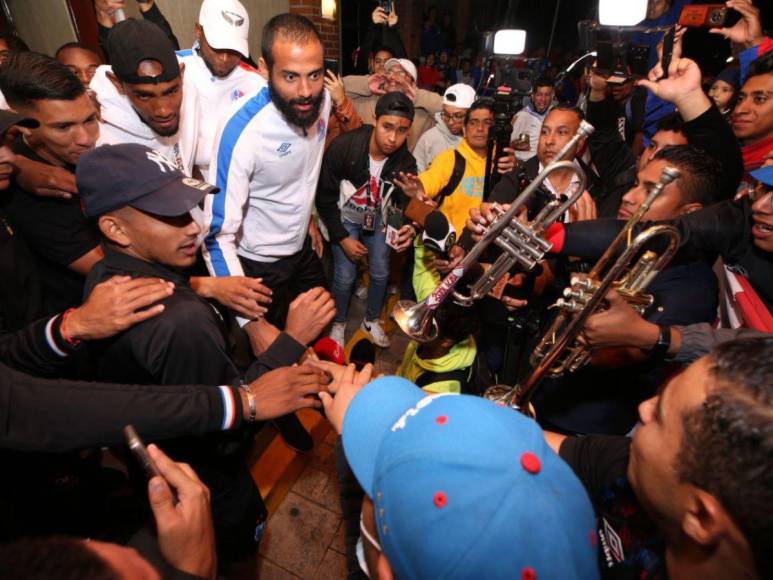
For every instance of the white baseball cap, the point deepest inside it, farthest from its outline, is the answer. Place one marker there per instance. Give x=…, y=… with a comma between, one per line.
x=226, y=25
x=460, y=95
x=407, y=65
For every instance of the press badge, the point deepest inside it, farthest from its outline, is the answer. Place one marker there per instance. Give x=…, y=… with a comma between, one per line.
x=369, y=220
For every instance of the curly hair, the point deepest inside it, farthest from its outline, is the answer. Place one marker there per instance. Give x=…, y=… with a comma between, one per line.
x=728, y=442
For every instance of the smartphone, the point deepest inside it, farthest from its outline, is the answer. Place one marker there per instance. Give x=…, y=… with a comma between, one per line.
x=332, y=64
x=668, y=50
x=137, y=447
x=703, y=15
x=393, y=225
x=386, y=6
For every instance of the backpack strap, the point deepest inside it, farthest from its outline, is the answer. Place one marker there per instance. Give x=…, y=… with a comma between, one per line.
x=429, y=377
x=456, y=177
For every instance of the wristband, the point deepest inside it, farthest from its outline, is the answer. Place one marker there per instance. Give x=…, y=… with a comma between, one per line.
x=251, y=403
x=63, y=331
x=660, y=350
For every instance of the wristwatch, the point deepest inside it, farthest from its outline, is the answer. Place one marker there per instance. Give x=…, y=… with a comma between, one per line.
x=660, y=349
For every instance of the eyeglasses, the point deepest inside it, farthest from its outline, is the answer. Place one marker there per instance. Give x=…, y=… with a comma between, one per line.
x=755, y=190
x=446, y=116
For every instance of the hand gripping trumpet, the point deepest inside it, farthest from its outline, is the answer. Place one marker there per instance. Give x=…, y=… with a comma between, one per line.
x=559, y=351
x=521, y=244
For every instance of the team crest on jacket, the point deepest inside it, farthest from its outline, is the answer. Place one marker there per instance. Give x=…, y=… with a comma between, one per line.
x=236, y=94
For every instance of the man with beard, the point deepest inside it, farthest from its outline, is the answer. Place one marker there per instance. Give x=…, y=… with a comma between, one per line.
x=215, y=66
x=266, y=162
x=142, y=95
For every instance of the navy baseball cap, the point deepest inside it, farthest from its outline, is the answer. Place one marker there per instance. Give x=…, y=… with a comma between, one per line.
x=464, y=488
x=115, y=176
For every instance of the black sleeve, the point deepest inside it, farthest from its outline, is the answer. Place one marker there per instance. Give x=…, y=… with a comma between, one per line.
x=283, y=352
x=38, y=348
x=597, y=460
x=613, y=159
x=712, y=134
x=720, y=229
x=507, y=189
x=328, y=187
x=153, y=15
x=54, y=228
x=57, y=415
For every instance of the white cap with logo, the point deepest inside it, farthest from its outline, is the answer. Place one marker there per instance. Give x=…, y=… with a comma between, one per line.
x=226, y=25
x=407, y=65
x=460, y=95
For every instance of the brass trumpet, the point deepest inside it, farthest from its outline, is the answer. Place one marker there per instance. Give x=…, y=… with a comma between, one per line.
x=521, y=244
x=559, y=351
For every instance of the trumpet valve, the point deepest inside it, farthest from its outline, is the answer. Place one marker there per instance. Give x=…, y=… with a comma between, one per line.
x=577, y=295
x=581, y=283
x=569, y=305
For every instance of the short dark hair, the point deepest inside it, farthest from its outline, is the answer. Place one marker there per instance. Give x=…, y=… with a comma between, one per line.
x=727, y=449
x=456, y=322
x=13, y=42
x=292, y=27
x=382, y=48
x=31, y=76
x=541, y=82
x=566, y=106
x=701, y=177
x=671, y=122
x=53, y=557
x=761, y=66
x=485, y=103
x=78, y=45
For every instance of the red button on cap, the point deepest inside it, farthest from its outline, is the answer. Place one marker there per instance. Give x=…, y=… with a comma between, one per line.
x=441, y=419
x=530, y=463
x=528, y=574
x=440, y=500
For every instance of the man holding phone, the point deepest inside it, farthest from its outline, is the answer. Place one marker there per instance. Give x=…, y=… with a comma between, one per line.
x=355, y=194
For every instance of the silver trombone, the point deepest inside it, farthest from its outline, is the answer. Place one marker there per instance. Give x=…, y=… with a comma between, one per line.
x=521, y=244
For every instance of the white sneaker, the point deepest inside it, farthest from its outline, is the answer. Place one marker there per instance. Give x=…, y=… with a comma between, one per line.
x=376, y=331
x=362, y=292
x=338, y=333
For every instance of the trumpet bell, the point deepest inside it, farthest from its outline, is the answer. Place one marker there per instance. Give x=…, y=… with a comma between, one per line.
x=415, y=320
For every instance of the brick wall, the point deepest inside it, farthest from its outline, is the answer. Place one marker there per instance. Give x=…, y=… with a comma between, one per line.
x=312, y=9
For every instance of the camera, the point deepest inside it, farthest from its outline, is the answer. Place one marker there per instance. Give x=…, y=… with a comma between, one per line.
x=616, y=58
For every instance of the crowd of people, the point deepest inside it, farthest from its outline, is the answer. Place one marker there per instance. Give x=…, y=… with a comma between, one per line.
x=184, y=232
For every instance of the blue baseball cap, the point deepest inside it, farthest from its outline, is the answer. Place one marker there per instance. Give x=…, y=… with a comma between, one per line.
x=464, y=488
x=114, y=176
x=763, y=174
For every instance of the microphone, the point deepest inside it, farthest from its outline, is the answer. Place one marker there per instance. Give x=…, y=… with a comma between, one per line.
x=439, y=235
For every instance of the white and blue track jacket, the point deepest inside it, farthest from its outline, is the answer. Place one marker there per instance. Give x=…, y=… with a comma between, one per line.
x=216, y=96
x=267, y=172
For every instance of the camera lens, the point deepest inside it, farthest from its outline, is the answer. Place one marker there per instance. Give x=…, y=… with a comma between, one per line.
x=716, y=17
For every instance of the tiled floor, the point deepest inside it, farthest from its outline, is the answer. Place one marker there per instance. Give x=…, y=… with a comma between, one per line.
x=305, y=536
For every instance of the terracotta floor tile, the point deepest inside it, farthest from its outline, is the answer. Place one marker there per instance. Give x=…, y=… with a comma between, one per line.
x=320, y=487
x=333, y=567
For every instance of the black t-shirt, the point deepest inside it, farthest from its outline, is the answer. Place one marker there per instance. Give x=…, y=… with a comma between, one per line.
x=630, y=544
x=58, y=234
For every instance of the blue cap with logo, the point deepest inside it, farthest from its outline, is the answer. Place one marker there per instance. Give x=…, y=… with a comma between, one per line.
x=464, y=488
x=114, y=176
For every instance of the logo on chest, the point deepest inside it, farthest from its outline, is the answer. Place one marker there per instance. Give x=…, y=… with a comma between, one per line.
x=284, y=149
x=321, y=129
x=236, y=94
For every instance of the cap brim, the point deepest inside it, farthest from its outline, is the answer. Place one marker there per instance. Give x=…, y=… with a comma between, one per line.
x=175, y=198
x=370, y=416
x=9, y=119
x=226, y=40
x=763, y=174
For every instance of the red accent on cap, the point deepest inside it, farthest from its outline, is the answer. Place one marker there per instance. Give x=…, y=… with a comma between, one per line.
x=328, y=349
x=556, y=235
x=528, y=574
x=441, y=419
x=531, y=463
x=440, y=500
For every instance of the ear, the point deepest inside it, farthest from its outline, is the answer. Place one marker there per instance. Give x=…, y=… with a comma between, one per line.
x=690, y=207
x=705, y=520
x=383, y=570
x=113, y=229
x=116, y=83
x=198, y=31
x=182, y=71
x=263, y=68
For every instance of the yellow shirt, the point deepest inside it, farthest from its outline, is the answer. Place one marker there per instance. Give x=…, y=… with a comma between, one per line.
x=468, y=194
